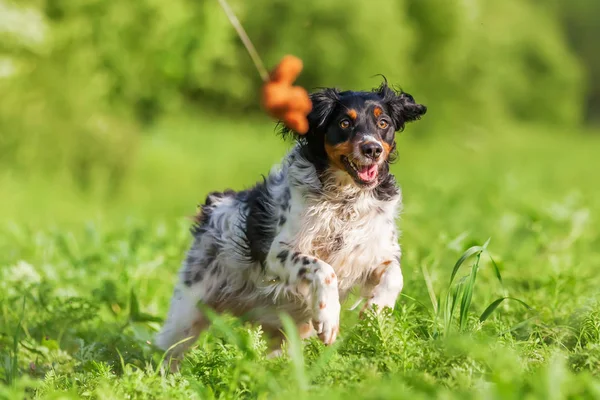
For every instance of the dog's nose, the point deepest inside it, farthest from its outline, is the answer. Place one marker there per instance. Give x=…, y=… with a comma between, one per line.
x=371, y=150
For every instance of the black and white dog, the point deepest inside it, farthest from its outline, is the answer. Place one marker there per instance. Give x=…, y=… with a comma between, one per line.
x=321, y=223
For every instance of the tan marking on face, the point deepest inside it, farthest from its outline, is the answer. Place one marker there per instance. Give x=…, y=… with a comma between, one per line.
x=328, y=281
x=322, y=305
x=387, y=148
x=377, y=111
x=334, y=153
x=352, y=114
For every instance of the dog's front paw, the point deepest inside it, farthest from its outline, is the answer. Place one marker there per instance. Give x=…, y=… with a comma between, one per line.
x=327, y=321
x=379, y=303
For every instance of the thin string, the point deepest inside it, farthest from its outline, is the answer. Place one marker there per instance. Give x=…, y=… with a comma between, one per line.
x=262, y=71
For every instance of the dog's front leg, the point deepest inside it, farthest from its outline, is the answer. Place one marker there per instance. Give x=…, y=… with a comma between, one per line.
x=297, y=269
x=384, y=285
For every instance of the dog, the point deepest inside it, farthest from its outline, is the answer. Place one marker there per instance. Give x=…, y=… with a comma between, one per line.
x=320, y=224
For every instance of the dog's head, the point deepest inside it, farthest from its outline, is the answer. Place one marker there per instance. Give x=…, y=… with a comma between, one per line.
x=355, y=131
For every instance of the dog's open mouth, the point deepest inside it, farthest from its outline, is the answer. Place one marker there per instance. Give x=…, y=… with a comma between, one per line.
x=362, y=174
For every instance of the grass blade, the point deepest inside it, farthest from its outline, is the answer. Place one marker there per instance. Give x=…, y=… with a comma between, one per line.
x=467, y=254
x=454, y=295
x=165, y=354
x=295, y=350
x=416, y=302
x=430, y=289
x=13, y=374
x=465, y=304
x=221, y=325
x=496, y=269
x=486, y=244
x=319, y=365
x=517, y=326
x=134, y=306
x=135, y=315
x=492, y=307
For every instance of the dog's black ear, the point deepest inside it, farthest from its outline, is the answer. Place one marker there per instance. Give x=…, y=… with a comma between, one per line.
x=401, y=106
x=323, y=104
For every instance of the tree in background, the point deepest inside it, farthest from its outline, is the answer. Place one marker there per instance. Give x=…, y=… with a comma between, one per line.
x=92, y=70
x=582, y=24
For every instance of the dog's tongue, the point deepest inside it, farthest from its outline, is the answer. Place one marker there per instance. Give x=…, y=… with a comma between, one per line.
x=368, y=173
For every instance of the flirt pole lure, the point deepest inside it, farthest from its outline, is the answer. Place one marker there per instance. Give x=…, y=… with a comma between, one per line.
x=287, y=103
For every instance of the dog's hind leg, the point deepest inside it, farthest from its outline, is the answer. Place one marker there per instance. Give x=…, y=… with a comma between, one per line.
x=185, y=321
x=182, y=327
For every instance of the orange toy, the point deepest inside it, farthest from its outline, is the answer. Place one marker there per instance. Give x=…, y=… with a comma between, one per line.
x=290, y=104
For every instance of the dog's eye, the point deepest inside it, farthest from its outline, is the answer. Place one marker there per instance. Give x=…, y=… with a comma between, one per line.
x=383, y=124
x=344, y=124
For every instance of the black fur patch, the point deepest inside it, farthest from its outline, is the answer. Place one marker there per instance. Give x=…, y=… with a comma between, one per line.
x=197, y=267
x=262, y=218
x=192, y=259
x=212, y=197
x=295, y=256
x=211, y=254
x=400, y=106
x=387, y=188
x=283, y=255
x=285, y=199
x=202, y=219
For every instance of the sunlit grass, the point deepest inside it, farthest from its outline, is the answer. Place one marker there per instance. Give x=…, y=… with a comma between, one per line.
x=85, y=279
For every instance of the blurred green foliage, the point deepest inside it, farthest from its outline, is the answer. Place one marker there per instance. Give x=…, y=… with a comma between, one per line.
x=581, y=19
x=78, y=77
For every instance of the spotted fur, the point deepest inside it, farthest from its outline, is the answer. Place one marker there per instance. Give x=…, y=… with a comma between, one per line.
x=301, y=239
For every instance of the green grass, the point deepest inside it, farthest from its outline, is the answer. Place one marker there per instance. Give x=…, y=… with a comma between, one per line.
x=83, y=277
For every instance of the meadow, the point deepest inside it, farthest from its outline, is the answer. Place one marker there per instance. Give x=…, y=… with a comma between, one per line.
x=85, y=277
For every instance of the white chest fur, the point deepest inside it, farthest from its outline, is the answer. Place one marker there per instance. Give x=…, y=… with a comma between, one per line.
x=353, y=234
